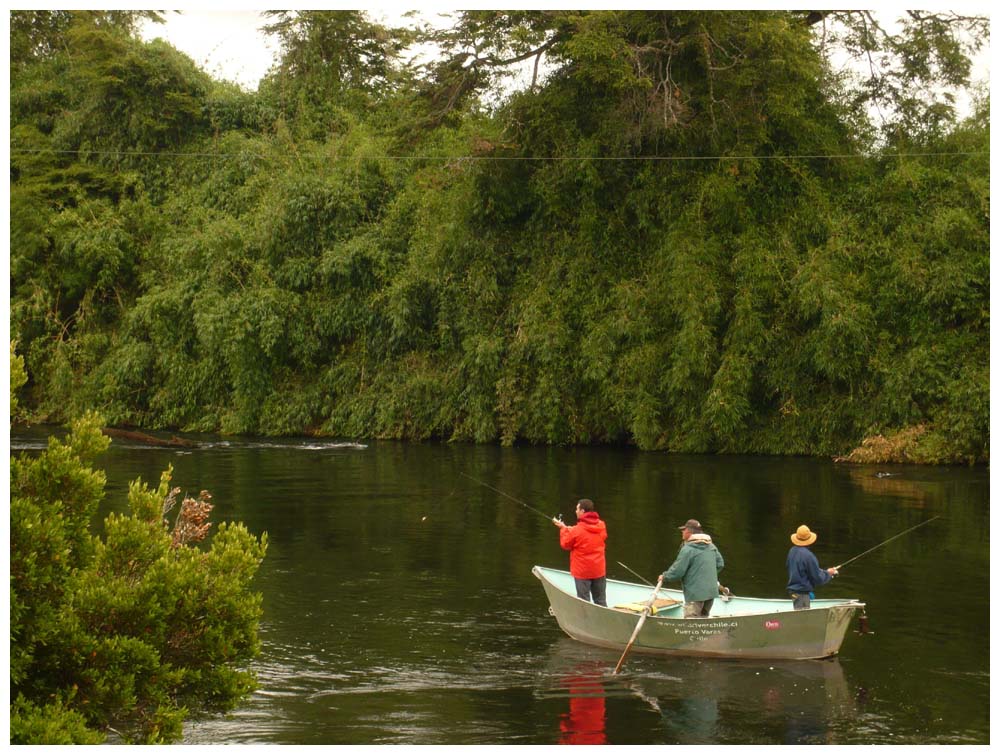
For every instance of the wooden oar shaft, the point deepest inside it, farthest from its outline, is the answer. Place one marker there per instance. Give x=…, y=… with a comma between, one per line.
x=642, y=620
x=638, y=626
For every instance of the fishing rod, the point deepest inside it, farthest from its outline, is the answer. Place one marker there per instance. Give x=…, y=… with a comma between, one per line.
x=495, y=490
x=724, y=592
x=838, y=568
x=635, y=573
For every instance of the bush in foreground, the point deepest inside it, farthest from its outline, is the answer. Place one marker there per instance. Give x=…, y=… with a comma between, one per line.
x=130, y=632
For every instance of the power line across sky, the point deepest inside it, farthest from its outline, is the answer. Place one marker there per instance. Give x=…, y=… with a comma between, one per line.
x=527, y=158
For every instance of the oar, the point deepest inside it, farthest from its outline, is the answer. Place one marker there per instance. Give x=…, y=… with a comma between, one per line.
x=884, y=542
x=642, y=620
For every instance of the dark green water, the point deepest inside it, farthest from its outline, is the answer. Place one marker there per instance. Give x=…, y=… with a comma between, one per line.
x=399, y=605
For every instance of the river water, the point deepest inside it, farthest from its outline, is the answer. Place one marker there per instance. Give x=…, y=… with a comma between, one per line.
x=400, y=608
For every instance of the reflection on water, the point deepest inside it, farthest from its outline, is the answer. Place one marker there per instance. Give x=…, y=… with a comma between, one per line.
x=703, y=701
x=400, y=608
x=584, y=722
x=897, y=484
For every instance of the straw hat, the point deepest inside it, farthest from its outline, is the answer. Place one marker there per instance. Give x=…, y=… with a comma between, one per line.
x=803, y=536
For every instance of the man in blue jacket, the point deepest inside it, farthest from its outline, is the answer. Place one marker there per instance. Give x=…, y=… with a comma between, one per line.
x=804, y=574
x=697, y=567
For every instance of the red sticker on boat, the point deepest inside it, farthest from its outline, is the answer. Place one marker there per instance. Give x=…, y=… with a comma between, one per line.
x=772, y=625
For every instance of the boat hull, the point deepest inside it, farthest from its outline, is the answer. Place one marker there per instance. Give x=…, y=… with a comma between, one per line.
x=741, y=628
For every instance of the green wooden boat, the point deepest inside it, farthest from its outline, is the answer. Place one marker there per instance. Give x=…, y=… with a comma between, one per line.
x=738, y=628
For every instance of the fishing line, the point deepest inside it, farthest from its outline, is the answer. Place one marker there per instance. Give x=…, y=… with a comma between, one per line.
x=495, y=490
x=884, y=542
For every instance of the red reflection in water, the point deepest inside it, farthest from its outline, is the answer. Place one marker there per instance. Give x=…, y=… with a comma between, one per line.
x=584, y=723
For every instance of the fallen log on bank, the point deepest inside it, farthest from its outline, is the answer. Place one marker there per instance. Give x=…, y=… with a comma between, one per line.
x=138, y=437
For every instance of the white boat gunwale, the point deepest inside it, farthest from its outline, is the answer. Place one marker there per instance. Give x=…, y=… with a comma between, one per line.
x=782, y=605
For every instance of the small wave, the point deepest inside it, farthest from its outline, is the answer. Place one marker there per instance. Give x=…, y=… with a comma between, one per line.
x=41, y=443
x=28, y=445
x=322, y=446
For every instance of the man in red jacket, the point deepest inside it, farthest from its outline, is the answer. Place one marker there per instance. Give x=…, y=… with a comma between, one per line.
x=585, y=543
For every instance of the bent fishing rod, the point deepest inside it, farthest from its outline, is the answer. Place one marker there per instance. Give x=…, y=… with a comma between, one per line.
x=505, y=495
x=838, y=568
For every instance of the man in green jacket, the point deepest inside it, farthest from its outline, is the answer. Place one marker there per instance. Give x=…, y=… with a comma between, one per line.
x=697, y=567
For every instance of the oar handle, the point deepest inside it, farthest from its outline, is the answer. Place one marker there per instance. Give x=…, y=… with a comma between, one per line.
x=656, y=590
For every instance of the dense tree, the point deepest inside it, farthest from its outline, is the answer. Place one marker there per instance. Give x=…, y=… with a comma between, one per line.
x=38, y=34
x=681, y=230
x=335, y=67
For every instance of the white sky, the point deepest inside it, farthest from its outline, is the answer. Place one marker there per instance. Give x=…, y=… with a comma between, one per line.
x=228, y=44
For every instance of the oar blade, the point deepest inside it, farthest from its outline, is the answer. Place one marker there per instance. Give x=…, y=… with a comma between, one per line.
x=635, y=633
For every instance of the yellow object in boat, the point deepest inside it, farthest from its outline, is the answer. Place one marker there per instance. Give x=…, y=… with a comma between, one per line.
x=660, y=604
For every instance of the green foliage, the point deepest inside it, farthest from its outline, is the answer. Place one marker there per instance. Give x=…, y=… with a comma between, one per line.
x=103, y=93
x=128, y=632
x=657, y=248
x=52, y=724
x=334, y=65
x=18, y=377
x=36, y=34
